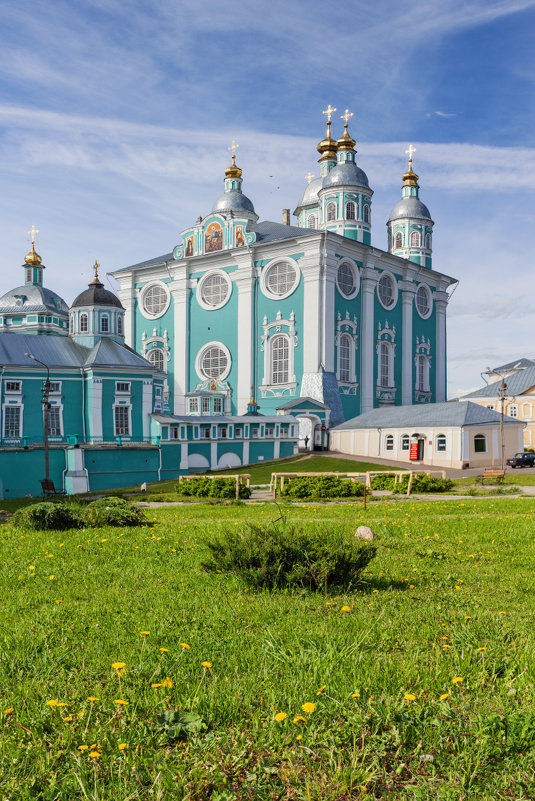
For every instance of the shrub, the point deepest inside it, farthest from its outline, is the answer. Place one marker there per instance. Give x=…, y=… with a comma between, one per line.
x=273, y=556
x=112, y=511
x=46, y=516
x=204, y=487
x=303, y=487
x=421, y=482
x=385, y=481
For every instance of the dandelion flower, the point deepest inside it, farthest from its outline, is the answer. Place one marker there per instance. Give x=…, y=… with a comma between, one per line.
x=308, y=707
x=8, y=711
x=68, y=719
x=145, y=632
x=121, y=702
x=483, y=648
x=80, y=714
x=167, y=682
x=409, y=697
x=95, y=754
x=280, y=716
x=321, y=689
x=444, y=696
x=355, y=695
x=50, y=578
x=457, y=680
x=93, y=698
x=61, y=703
x=501, y=613
x=53, y=702
x=467, y=617
x=299, y=737
x=118, y=665
x=206, y=664
x=155, y=685
x=83, y=747
x=164, y=650
x=299, y=719
x=185, y=645
x=121, y=746
x=346, y=609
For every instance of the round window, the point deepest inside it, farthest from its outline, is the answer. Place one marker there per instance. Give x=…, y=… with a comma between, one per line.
x=280, y=279
x=423, y=301
x=347, y=280
x=214, y=290
x=214, y=362
x=386, y=291
x=155, y=300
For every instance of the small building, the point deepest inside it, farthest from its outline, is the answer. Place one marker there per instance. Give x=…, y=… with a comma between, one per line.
x=519, y=394
x=454, y=434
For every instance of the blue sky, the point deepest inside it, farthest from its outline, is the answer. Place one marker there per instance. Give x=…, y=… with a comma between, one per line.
x=115, y=120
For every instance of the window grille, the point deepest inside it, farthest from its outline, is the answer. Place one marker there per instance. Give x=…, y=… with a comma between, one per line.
x=122, y=425
x=122, y=386
x=405, y=442
x=398, y=240
x=156, y=358
x=214, y=362
x=155, y=300
x=312, y=221
x=104, y=324
x=384, y=365
x=279, y=360
x=193, y=405
x=389, y=443
x=415, y=239
x=218, y=405
x=280, y=278
x=385, y=290
x=350, y=211
x=214, y=290
x=331, y=212
x=54, y=421
x=366, y=214
x=12, y=421
x=206, y=405
x=344, y=352
x=423, y=303
x=13, y=386
x=346, y=279
x=83, y=322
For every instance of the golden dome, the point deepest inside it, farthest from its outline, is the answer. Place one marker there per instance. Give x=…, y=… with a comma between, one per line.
x=96, y=280
x=327, y=146
x=233, y=171
x=410, y=178
x=346, y=142
x=32, y=258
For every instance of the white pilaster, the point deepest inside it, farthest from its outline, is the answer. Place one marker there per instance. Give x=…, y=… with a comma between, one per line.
x=276, y=449
x=213, y=455
x=245, y=283
x=312, y=318
x=408, y=291
x=146, y=407
x=179, y=292
x=329, y=325
x=369, y=280
x=245, y=454
x=95, y=408
x=127, y=296
x=441, y=301
x=183, y=455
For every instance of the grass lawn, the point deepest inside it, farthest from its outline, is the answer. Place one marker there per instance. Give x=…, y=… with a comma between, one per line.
x=422, y=679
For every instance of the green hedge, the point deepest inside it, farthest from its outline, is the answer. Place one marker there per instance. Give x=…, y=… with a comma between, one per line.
x=317, y=487
x=112, y=511
x=46, y=516
x=49, y=516
x=422, y=483
x=295, y=555
x=204, y=487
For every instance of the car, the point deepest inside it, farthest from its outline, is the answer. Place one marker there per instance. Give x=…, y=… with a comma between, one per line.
x=522, y=460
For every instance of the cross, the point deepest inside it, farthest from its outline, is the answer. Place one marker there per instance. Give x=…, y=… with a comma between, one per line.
x=96, y=265
x=309, y=177
x=410, y=152
x=234, y=148
x=347, y=116
x=33, y=232
x=329, y=111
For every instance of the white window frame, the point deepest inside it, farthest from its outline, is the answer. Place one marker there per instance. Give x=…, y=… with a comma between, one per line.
x=128, y=408
x=405, y=442
x=427, y=289
x=126, y=388
x=479, y=436
x=199, y=359
x=142, y=295
x=512, y=410
x=275, y=339
x=351, y=203
x=152, y=353
x=271, y=330
x=330, y=211
x=16, y=391
x=20, y=407
x=105, y=317
x=389, y=442
x=59, y=408
x=265, y=274
x=219, y=402
x=201, y=284
x=385, y=349
x=193, y=405
x=415, y=239
x=356, y=279
x=394, y=285
x=396, y=235
x=205, y=405
x=441, y=443
x=84, y=316
x=366, y=213
x=312, y=222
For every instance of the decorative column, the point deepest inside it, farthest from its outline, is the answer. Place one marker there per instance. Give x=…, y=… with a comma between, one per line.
x=441, y=301
x=127, y=296
x=368, y=282
x=179, y=292
x=247, y=336
x=408, y=291
x=329, y=325
x=312, y=320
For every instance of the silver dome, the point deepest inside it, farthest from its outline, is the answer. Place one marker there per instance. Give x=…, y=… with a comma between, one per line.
x=233, y=201
x=37, y=298
x=346, y=174
x=409, y=207
x=310, y=195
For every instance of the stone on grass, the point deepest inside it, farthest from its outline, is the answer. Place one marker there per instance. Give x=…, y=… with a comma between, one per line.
x=365, y=533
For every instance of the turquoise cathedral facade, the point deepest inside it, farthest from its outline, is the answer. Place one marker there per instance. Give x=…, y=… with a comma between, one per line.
x=311, y=313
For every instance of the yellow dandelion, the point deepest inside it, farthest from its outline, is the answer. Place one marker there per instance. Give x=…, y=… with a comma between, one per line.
x=95, y=754
x=280, y=716
x=321, y=689
x=93, y=698
x=121, y=746
x=145, y=632
x=409, y=697
x=52, y=702
x=62, y=703
x=83, y=747
x=457, y=680
x=299, y=737
x=355, y=695
x=121, y=702
x=467, y=617
x=155, y=685
x=167, y=682
x=50, y=578
x=483, y=648
x=80, y=714
x=308, y=707
x=8, y=711
x=206, y=664
x=118, y=665
x=185, y=645
x=68, y=719
x=444, y=696
x=346, y=609
x=164, y=650
x=501, y=613
x=299, y=719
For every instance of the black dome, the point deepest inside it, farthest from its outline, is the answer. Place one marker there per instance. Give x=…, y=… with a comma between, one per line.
x=97, y=295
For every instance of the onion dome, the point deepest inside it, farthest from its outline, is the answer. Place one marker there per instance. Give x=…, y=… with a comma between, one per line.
x=96, y=294
x=410, y=204
x=327, y=147
x=32, y=298
x=310, y=193
x=233, y=171
x=32, y=258
x=233, y=200
x=346, y=174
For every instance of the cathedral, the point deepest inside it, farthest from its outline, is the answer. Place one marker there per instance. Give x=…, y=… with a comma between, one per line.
x=310, y=316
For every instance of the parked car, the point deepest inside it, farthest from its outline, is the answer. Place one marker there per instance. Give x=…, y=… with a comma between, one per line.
x=522, y=460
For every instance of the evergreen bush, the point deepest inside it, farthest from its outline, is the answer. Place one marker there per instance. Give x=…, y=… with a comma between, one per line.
x=112, y=511
x=46, y=516
x=204, y=487
x=385, y=481
x=318, y=487
x=296, y=555
x=422, y=483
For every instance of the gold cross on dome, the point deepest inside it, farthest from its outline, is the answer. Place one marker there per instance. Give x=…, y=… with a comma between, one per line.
x=96, y=266
x=346, y=116
x=410, y=151
x=32, y=233
x=234, y=146
x=329, y=111
x=309, y=176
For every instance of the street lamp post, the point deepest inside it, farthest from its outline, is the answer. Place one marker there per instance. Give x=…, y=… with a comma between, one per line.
x=46, y=407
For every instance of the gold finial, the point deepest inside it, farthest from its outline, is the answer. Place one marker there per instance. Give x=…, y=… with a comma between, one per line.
x=309, y=176
x=252, y=402
x=233, y=171
x=32, y=258
x=346, y=142
x=327, y=146
x=96, y=279
x=410, y=178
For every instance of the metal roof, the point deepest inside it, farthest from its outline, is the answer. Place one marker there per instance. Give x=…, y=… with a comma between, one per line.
x=454, y=413
x=223, y=418
x=297, y=403
x=409, y=207
x=517, y=383
x=37, y=299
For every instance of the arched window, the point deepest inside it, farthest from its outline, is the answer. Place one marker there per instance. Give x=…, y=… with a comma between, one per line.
x=366, y=214
x=350, y=211
x=312, y=221
x=480, y=443
x=279, y=359
x=344, y=358
x=415, y=239
x=385, y=364
x=398, y=240
x=83, y=322
x=420, y=372
x=405, y=442
x=331, y=212
x=428, y=241
x=389, y=443
x=71, y=324
x=441, y=442
x=156, y=358
x=119, y=324
x=104, y=324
